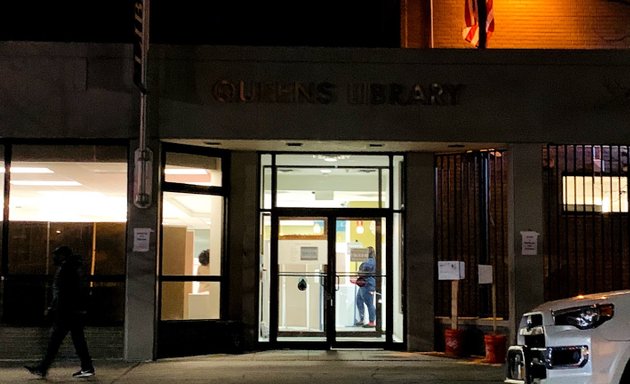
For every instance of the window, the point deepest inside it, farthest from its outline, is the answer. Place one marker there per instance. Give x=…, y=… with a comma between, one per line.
x=192, y=236
x=585, y=243
x=66, y=195
x=601, y=194
x=330, y=181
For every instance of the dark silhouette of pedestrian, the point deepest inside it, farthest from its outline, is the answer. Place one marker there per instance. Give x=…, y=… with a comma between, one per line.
x=67, y=311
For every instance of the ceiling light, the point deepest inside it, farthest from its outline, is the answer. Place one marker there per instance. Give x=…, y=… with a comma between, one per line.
x=47, y=183
x=331, y=158
x=185, y=171
x=75, y=206
x=30, y=170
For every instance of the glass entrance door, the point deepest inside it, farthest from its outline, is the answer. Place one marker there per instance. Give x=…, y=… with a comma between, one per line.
x=360, y=276
x=303, y=284
x=321, y=264
x=319, y=214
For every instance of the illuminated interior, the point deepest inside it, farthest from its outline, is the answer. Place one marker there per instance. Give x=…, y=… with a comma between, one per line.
x=595, y=193
x=93, y=192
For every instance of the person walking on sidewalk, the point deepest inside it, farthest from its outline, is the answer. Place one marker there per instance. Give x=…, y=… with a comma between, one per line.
x=67, y=311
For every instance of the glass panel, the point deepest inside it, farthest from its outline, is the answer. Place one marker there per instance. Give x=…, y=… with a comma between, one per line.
x=265, y=171
x=25, y=300
x=265, y=262
x=192, y=238
x=332, y=181
x=110, y=244
x=193, y=169
x=601, y=194
x=74, y=191
x=3, y=266
x=360, y=308
x=184, y=301
x=399, y=163
x=398, y=268
x=101, y=246
x=191, y=234
x=107, y=303
x=74, y=195
x=302, y=265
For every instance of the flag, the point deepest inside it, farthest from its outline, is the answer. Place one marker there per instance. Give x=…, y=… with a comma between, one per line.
x=471, y=19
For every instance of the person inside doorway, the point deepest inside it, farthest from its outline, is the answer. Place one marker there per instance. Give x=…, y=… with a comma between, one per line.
x=367, y=289
x=204, y=269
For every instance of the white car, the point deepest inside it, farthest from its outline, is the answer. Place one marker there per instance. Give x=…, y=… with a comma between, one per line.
x=579, y=340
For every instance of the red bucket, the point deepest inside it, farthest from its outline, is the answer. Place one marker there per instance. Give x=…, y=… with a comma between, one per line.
x=454, y=342
x=495, y=348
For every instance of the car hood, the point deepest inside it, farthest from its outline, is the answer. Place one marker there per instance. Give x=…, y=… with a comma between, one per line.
x=618, y=328
x=614, y=297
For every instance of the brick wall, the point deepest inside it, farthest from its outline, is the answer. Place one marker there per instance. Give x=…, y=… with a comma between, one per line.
x=30, y=343
x=538, y=24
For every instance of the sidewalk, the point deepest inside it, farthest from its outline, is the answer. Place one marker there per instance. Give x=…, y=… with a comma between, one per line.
x=276, y=367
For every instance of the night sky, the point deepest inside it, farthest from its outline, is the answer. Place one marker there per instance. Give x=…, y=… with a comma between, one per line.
x=327, y=23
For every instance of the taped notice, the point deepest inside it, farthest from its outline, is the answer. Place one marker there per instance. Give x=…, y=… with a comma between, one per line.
x=451, y=270
x=529, y=243
x=141, y=239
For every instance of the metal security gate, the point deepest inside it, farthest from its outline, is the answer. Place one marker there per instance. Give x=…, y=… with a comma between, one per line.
x=586, y=240
x=471, y=226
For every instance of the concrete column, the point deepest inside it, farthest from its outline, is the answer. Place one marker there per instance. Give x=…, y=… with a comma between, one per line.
x=141, y=277
x=242, y=244
x=420, y=264
x=525, y=213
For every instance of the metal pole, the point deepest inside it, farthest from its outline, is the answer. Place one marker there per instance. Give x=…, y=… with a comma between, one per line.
x=482, y=18
x=143, y=155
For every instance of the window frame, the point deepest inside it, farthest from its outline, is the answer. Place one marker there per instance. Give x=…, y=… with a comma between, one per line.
x=11, y=150
x=176, y=187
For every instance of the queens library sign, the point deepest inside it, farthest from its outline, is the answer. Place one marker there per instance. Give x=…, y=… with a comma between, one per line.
x=362, y=93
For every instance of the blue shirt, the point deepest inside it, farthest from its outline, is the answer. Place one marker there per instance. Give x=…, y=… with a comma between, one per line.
x=367, y=269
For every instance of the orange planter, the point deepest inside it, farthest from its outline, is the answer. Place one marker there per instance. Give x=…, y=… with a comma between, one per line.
x=495, y=348
x=454, y=342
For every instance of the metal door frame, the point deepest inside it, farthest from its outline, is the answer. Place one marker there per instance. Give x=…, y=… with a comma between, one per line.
x=332, y=215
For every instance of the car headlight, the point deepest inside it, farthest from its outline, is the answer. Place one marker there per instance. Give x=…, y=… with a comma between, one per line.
x=585, y=317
